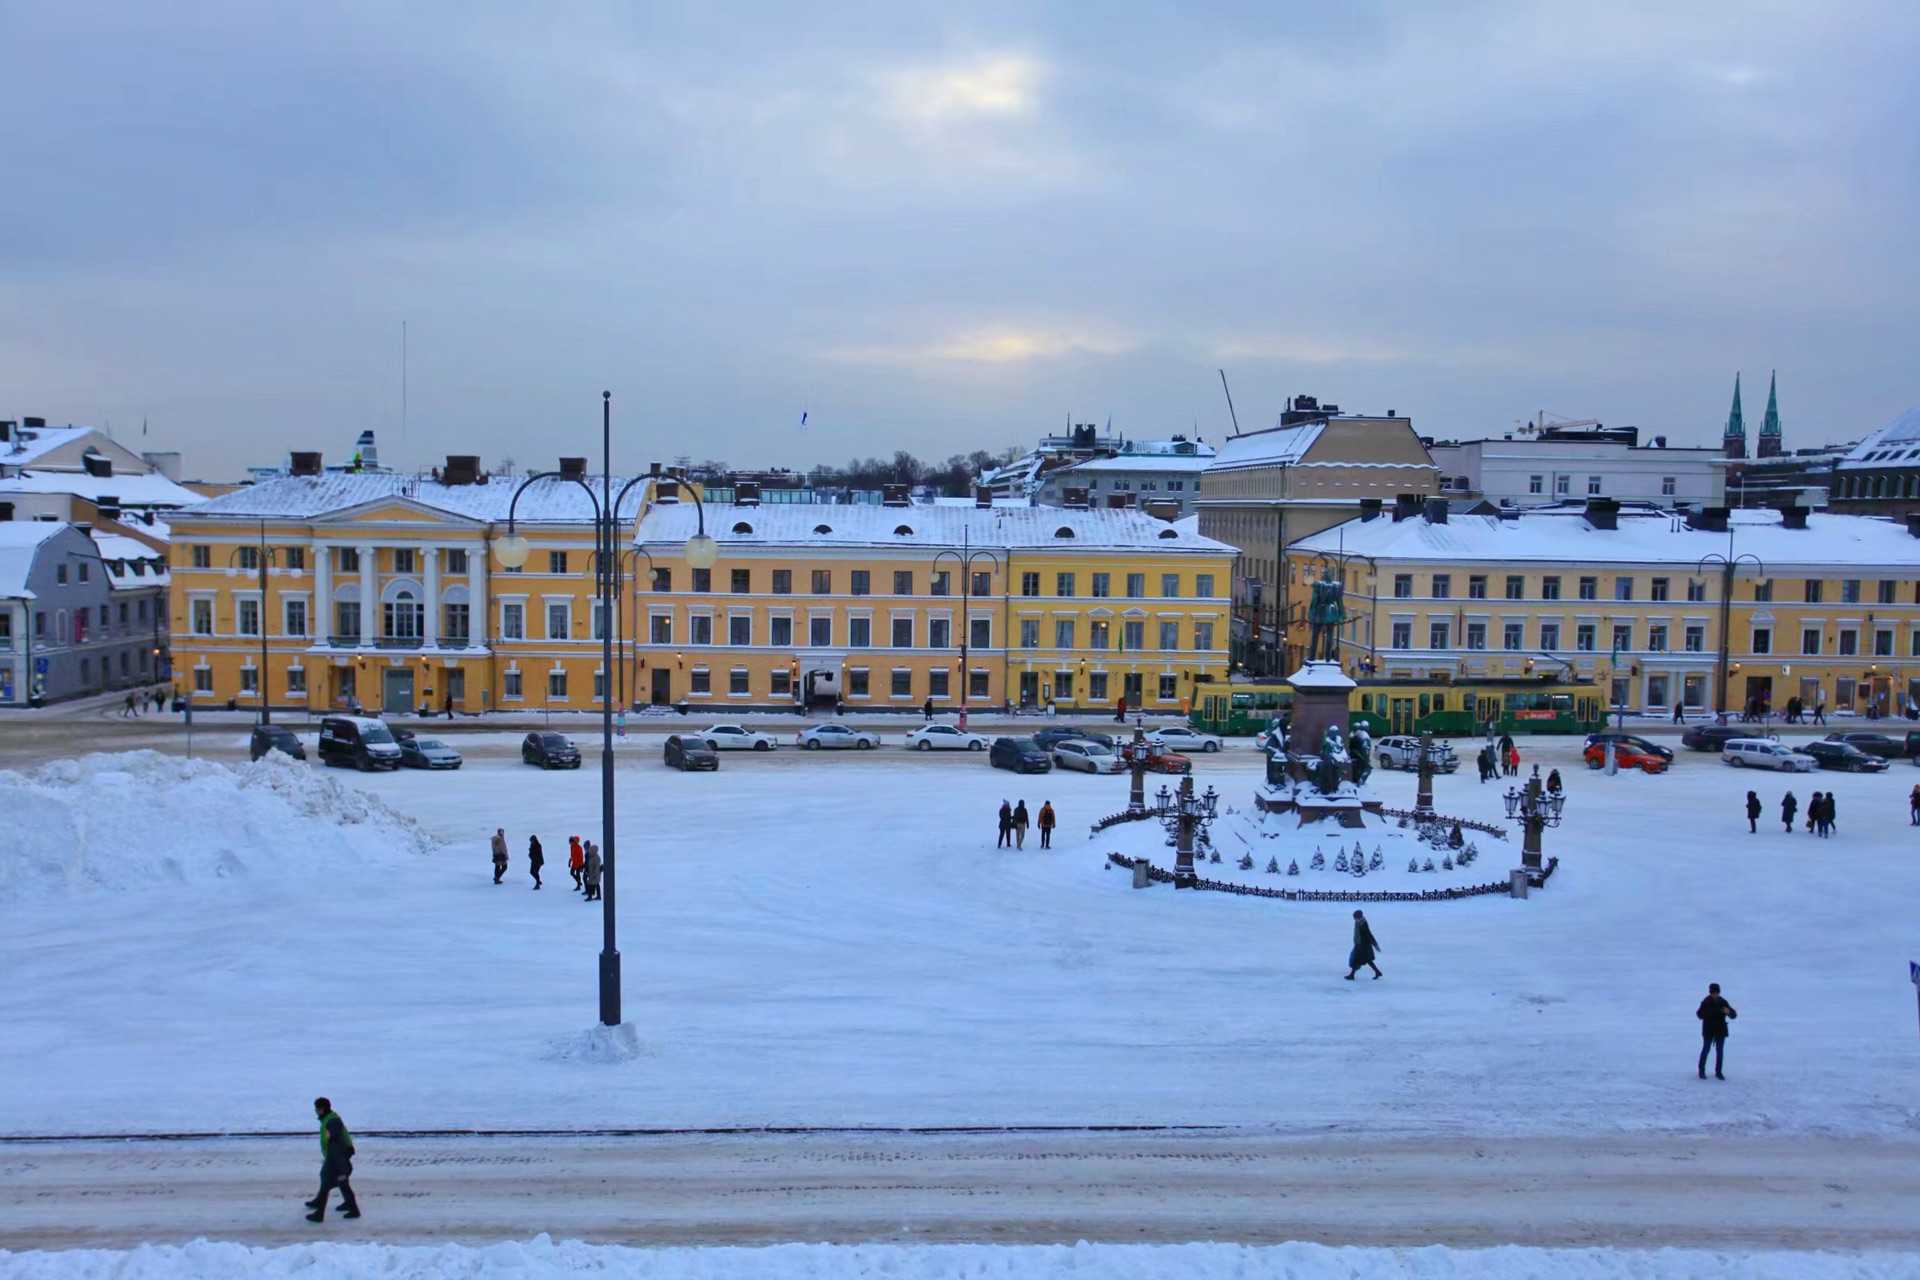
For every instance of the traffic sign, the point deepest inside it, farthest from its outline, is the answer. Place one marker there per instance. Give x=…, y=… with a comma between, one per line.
x=41, y=666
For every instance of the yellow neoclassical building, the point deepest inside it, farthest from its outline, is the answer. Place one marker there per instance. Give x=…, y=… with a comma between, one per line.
x=382, y=590
x=1717, y=610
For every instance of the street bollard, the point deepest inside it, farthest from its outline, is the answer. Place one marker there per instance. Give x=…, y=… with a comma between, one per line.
x=1519, y=882
x=1140, y=880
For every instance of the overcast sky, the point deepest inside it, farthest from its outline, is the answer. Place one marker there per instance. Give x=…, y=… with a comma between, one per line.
x=948, y=227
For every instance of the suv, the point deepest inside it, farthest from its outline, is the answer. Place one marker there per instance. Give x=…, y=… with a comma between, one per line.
x=1640, y=746
x=361, y=741
x=1845, y=757
x=274, y=737
x=686, y=752
x=1022, y=755
x=1874, y=744
x=1712, y=737
x=1765, y=753
x=1402, y=751
x=549, y=751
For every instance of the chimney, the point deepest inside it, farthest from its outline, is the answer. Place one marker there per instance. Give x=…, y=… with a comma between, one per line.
x=6, y=511
x=108, y=506
x=1074, y=498
x=1913, y=523
x=573, y=468
x=1603, y=513
x=1370, y=509
x=461, y=468
x=893, y=495
x=666, y=491
x=1436, y=511
x=1405, y=505
x=6, y=429
x=1164, y=509
x=1708, y=520
x=1794, y=516
x=304, y=464
x=96, y=464
x=84, y=526
x=982, y=497
x=34, y=424
x=1510, y=515
x=746, y=495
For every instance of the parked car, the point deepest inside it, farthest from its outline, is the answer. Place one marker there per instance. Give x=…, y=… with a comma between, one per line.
x=1626, y=755
x=1063, y=732
x=274, y=737
x=1913, y=746
x=836, y=736
x=361, y=741
x=1766, y=753
x=1712, y=737
x=1874, y=744
x=1640, y=745
x=944, y=737
x=1845, y=757
x=1402, y=751
x=1160, y=760
x=417, y=752
x=686, y=751
x=1022, y=755
x=734, y=737
x=1087, y=757
x=1179, y=737
x=549, y=751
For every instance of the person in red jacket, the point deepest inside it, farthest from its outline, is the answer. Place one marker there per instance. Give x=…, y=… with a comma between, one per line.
x=576, y=861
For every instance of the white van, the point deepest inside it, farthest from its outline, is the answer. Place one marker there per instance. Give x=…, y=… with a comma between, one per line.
x=1765, y=753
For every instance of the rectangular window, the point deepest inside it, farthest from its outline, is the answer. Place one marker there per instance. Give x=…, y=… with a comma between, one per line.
x=1169, y=586
x=1513, y=636
x=203, y=679
x=857, y=682
x=737, y=682
x=1477, y=586
x=559, y=616
x=937, y=682
x=1169, y=635
x=1097, y=633
x=1656, y=691
x=820, y=632
x=939, y=633
x=660, y=629
x=1516, y=586
x=1549, y=636
x=348, y=559
x=1562, y=485
x=942, y=584
x=1623, y=637
x=1439, y=635
x=1133, y=636
x=1887, y=586
x=1589, y=588
x=202, y=557
x=700, y=680
x=1402, y=636
x=599, y=686
x=740, y=629
x=510, y=684
x=1203, y=585
x=783, y=582
x=1203, y=637
x=1063, y=633
x=700, y=628
x=456, y=560
x=859, y=633
x=1029, y=584
x=1102, y=585
x=1536, y=484
x=1849, y=642
x=980, y=633
x=1623, y=588
x=202, y=624
x=903, y=583
x=903, y=633
x=1666, y=491
x=1883, y=644
x=983, y=584
x=1403, y=586
x=976, y=684
x=1063, y=584
x=1029, y=633
x=862, y=584
x=1762, y=590
x=346, y=620
x=1657, y=638
x=595, y=620
x=663, y=579
x=249, y=679
x=1659, y=589
x=557, y=563
x=1695, y=639
x=1850, y=591
x=1169, y=689
x=403, y=560
x=1697, y=590
x=296, y=680
x=1442, y=586
x=1809, y=641
x=1097, y=687
x=902, y=686
x=782, y=683
x=1813, y=586
x=249, y=561
x=703, y=579
x=1136, y=586
x=1476, y=635
x=1593, y=486
x=823, y=582
x=1550, y=588
x=740, y=581
x=249, y=617
x=1585, y=635
x=556, y=684
x=781, y=632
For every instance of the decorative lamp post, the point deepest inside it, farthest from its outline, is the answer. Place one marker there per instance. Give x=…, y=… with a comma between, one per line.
x=1184, y=815
x=1536, y=808
x=701, y=552
x=263, y=556
x=965, y=558
x=1729, y=565
x=1423, y=798
x=1135, y=754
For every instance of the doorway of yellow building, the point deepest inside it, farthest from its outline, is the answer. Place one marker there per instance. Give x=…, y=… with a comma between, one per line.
x=1029, y=688
x=662, y=687
x=396, y=690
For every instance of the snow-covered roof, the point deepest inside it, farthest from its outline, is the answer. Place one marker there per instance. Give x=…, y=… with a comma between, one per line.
x=1280, y=446
x=1157, y=462
x=29, y=443
x=130, y=562
x=1167, y=448
x=153, y=490
x=1895, y=445
x=548, y=501
x=1564, y=536
x=923, y=527
x=20, y=542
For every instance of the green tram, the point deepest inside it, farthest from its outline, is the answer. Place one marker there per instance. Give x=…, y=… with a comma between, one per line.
x=1457, y=709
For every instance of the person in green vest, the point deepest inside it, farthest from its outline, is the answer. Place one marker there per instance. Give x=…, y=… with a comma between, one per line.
x=336, y=1163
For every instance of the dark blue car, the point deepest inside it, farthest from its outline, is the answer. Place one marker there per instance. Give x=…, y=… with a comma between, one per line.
x=1022, y=755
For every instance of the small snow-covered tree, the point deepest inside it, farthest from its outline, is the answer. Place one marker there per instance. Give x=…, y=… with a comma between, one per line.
x=1340, y=860
x=1293, y=867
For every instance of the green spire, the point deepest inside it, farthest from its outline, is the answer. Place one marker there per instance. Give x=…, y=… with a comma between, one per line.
x=1770, y=425
x=1736, y=421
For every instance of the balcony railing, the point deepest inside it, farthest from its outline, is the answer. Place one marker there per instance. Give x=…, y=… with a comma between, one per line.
x=398, y=642
x=454, y=642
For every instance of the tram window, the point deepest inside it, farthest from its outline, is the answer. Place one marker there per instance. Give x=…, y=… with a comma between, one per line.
x=1366, y=702
x=1243, y=702
x=1424, y=699
x=1439, y=702
x=1468, y=701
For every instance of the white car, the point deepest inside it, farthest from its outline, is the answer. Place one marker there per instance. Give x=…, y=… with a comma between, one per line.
x=836, y=736
x=1766, y=753
x=1178, y=737
x=1086, y=756
x=1402, y=751
x=944, y=737
x=734, y=737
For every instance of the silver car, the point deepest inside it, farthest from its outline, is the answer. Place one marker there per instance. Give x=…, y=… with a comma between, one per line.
x=1086, y=757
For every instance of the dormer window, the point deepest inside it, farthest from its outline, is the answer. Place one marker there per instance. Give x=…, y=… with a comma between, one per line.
x=742, y=527
x=823, y=528
x=903, y=531
x=1063, y=532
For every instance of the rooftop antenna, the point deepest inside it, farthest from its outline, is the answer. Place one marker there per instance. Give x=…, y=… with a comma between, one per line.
x=403, y=386
x=1230, y=413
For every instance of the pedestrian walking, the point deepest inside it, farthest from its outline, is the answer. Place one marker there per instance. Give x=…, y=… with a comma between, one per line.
x=1814, y=811
x=128, y=709
x=1120, y=709
x=926, y=711
x=1046, y=824
x=590, y=873
x=1513, y=762
x=1829, y=814
x=1913, y=805
x=1006, y=825
x=536, y=859
x=963, y=718
x=1364, y=947
x=1819, y=713
x=449, y=706
x=1553, y=781
x=1714, y=1014
x=499, y=853
x=1020, y=823
x=576, y=861
x=336, y=1164
x=1679, y=714
x=1753, y=809
x=1788, y=807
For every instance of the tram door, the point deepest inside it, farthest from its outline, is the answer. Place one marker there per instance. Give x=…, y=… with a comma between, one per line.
x=1401, y=719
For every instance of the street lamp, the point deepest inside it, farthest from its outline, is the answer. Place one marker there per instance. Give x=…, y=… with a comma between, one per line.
x=1183, y=815
x=1729, y=564
x=966, y=557
x=263, y=556
x=512, y=552
x=1537, y=809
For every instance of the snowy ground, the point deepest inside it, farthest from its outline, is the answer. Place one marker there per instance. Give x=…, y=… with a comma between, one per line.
x=833, y=940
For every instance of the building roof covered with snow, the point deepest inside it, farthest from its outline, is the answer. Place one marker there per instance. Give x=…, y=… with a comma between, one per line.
x=20, y=543
x=923, y=528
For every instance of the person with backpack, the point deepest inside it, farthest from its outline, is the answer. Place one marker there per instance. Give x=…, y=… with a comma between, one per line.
x=1046, y=824
x=1714, y=1014
x=336, y=1164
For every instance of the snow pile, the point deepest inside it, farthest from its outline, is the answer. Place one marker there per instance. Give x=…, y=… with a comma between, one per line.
x=139, y=819
x=599, y=1045
x=541, y=1257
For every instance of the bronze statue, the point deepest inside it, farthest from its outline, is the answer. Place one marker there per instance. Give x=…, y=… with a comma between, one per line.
x=1360, y=750
x=1325, y=613
x=1333, y=756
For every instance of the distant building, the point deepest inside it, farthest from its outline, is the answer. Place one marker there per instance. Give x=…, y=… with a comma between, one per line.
x=71, y=473
x=1022, y=477
x=78, y=615
x=1880, y=476
x=1560, y=463
x=1142, y=471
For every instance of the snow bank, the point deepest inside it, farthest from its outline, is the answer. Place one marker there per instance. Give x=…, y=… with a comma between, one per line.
x=133, y=820
x=541, y=1257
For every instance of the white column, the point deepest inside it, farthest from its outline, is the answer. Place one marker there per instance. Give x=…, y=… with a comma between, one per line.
x=430, y=631
x=321, y=619
x=369, y=596
x=478, y=617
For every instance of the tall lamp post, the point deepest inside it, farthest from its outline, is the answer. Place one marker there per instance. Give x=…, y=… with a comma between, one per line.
x=263, y=556
x=1537, y=809
x=1184, y=814
x=701, y=552
x=965, y=557
x=1729, y=565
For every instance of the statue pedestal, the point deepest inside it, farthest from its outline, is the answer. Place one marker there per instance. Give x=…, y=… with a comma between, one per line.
x=1321, y=695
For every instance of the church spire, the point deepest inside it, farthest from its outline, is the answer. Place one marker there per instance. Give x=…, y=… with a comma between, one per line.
x=1733, y=441
x=1770, y=441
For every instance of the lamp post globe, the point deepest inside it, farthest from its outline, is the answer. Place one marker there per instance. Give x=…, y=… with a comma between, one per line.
x=701, y=551
x=512, y=550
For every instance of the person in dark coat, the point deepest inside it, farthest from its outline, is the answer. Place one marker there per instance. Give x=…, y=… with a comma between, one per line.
x=1679, y=714
x=1714, y=1014
x=336, y=1164
x=1815, y=808
x=1020, y=824
x=590, y=873
x=926, y=711
x=1553, y=781
x=1046, y=824
x=499, y=853
x=1753, y=810
x=1913, y=805
x=1364, y=947
x=1829, y=814
x=535, y=859
x=1788, y=807
x=1006, y=825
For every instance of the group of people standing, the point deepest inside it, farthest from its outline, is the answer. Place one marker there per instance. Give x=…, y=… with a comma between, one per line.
x=1499, y=760
x=583, y=862
x=1014, y=821
x=1822, y=812
x=141, y=701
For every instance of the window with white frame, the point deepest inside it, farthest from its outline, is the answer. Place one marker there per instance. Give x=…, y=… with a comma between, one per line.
x=559, y=616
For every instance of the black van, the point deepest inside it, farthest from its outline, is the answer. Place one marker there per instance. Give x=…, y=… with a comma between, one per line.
x=274, y=737
x=361, y=741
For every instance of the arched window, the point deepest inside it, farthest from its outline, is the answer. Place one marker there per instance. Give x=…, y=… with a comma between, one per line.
x=456, y=613
x=1169, y=533
x=402, y=614
x=1063, y=532
x=903, y=531
x=741, y=526
x=823, y=528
